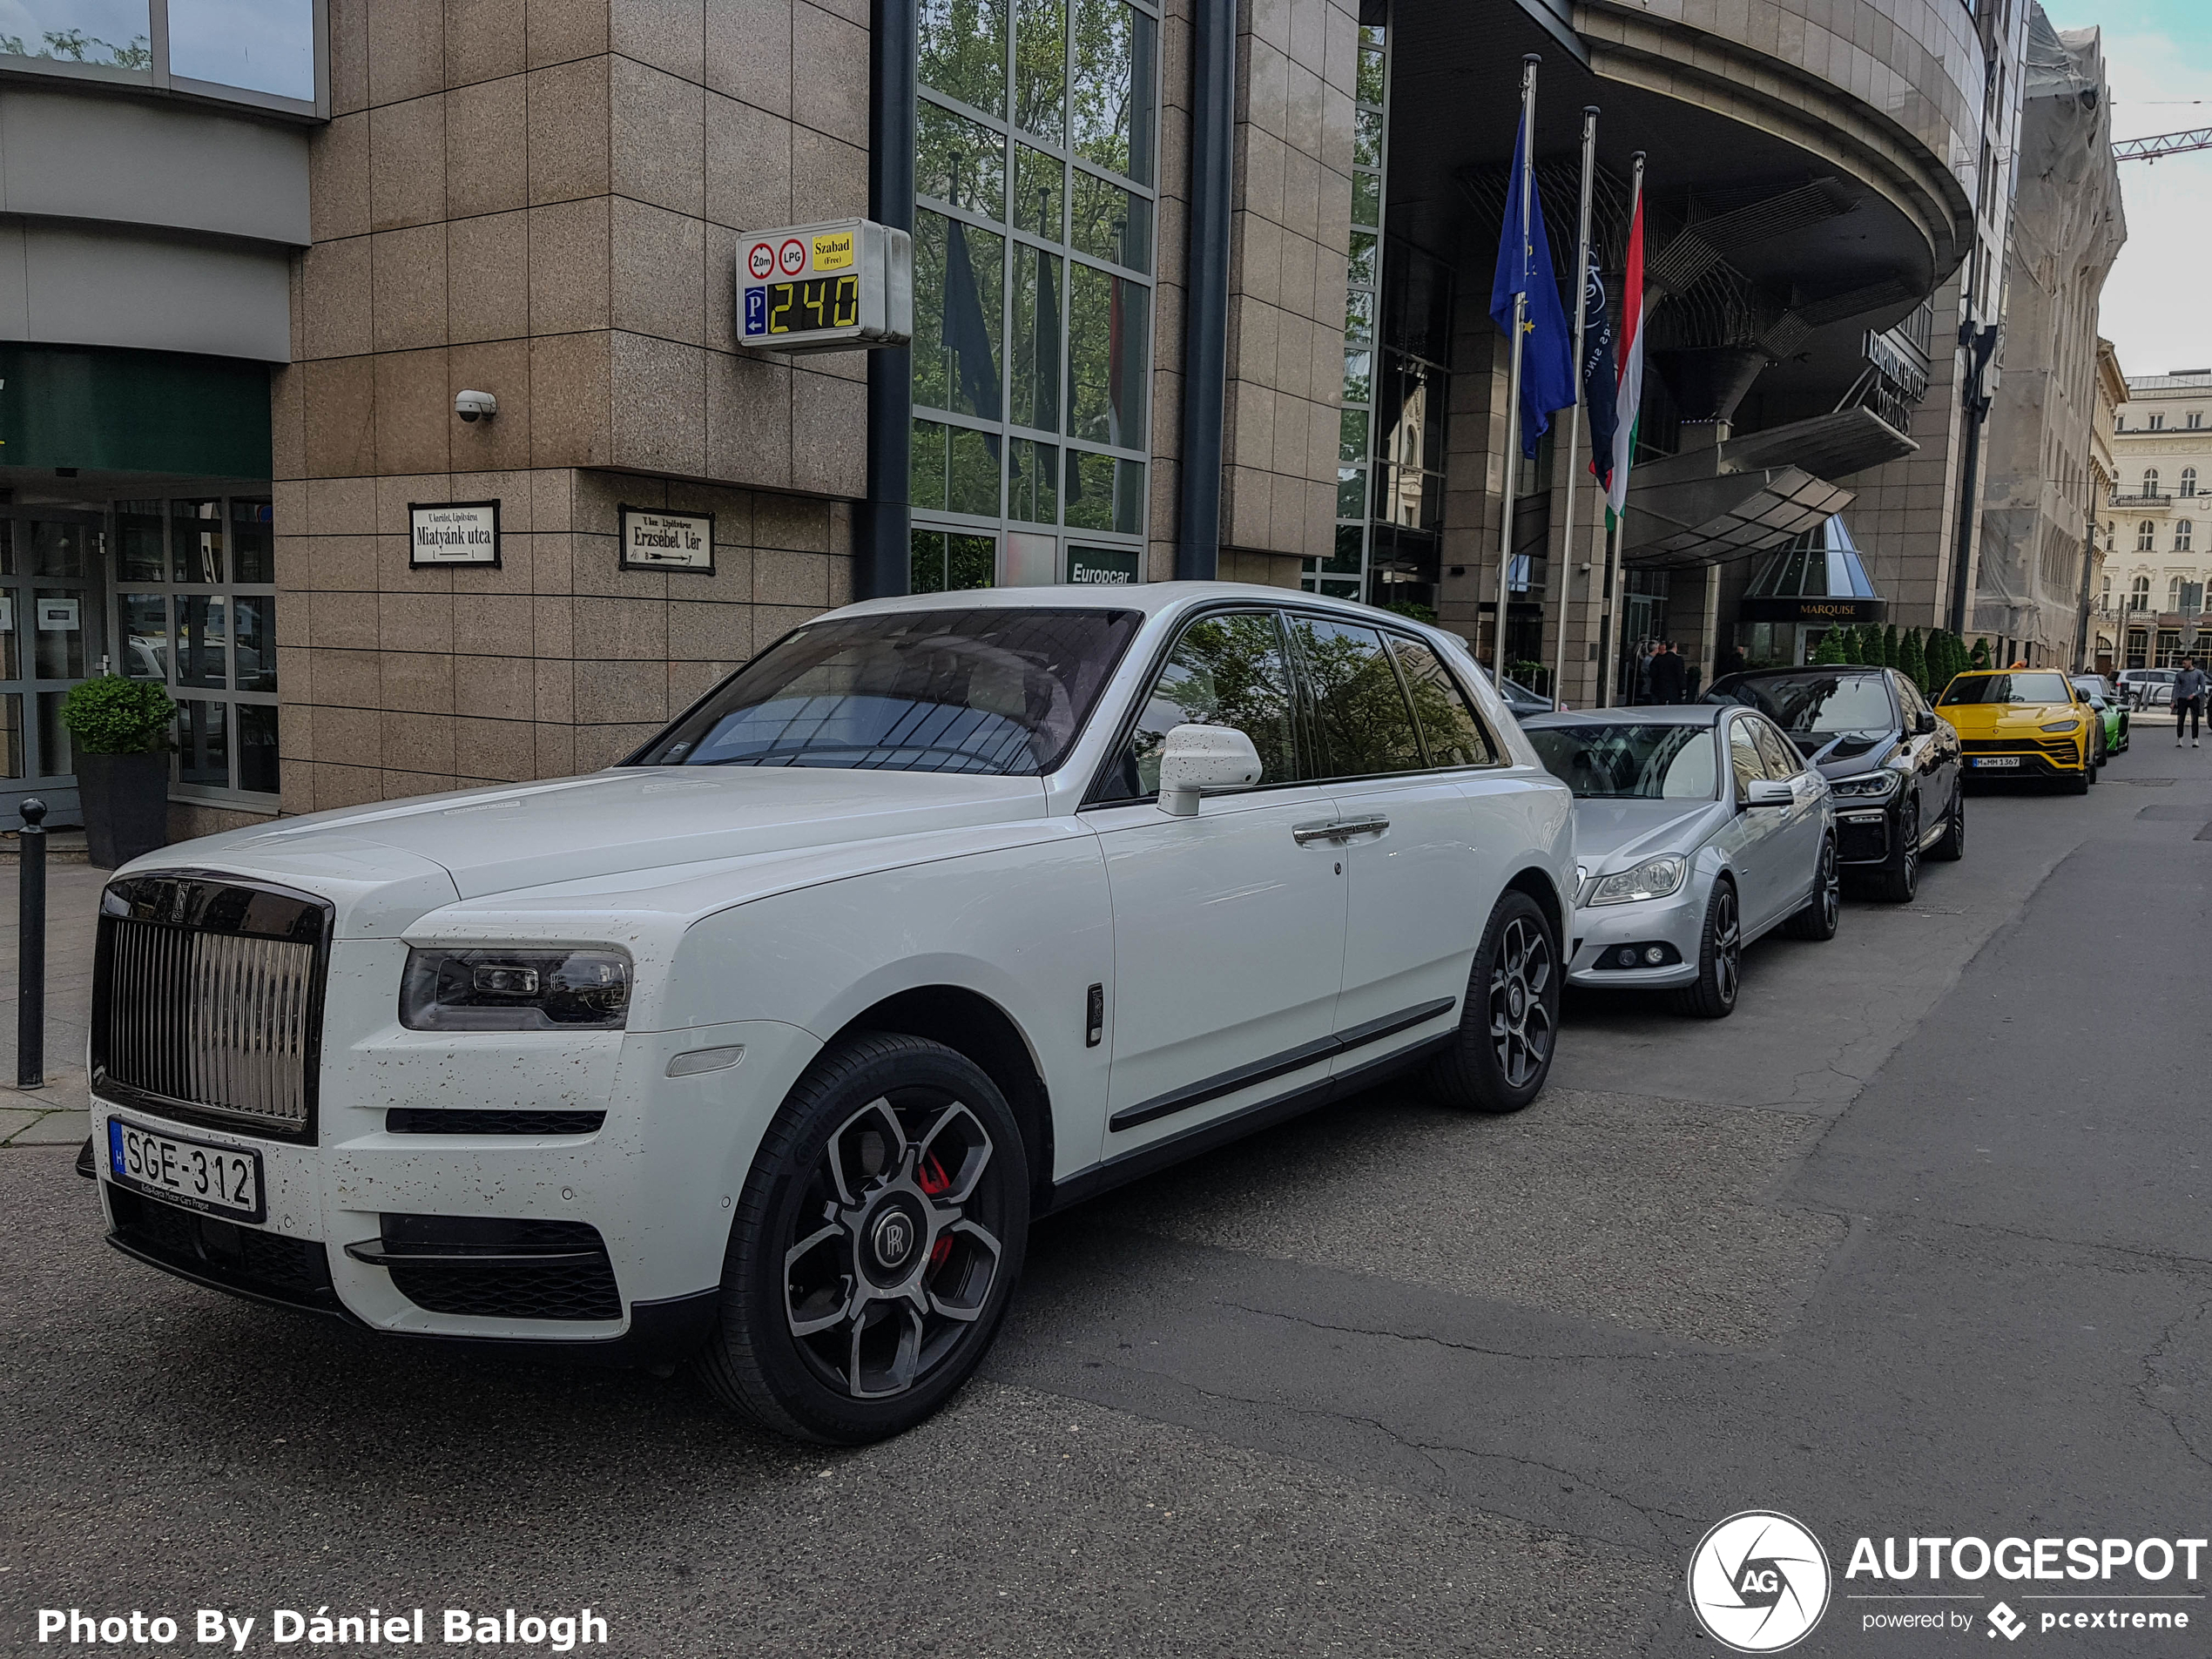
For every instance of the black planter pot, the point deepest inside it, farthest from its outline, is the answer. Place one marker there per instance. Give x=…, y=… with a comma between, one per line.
x=126, y=806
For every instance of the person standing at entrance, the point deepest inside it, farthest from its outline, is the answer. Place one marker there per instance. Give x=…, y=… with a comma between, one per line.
x=1668, y=675
x=2188, y=703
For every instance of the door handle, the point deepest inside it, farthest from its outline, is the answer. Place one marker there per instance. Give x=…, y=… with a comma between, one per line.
x=1338, y=829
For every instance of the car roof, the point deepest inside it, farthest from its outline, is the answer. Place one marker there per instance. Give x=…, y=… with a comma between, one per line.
x=1151, y=597
x=1807, y=668
x=1634, y=714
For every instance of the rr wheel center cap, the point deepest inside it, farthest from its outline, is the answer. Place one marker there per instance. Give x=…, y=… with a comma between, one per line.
x=1516, y=1000
x=891, y=1238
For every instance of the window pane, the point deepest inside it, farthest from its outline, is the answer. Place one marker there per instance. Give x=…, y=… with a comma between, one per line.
x=1743, y=757
x=963, y=50
x=203, y=639
x=958, y=287
x=1351, y=542
x=1368, y=138
x=1366, y=198
x=1110, y=109
x=262, y=45
x=959, y=161
x=1128, y=496
x=138, y=533
x=1351, y=492
x=1109, y=329
x=971, y=561
x=1371, y=75
x=58, y=620
x=144, y=655
x=1224, y=670
x=972, y=485
x=257, y=747
x=196, y=541
x=1089, y=487
x=11, y=633
x=114, y=32
x=1455, y=737
x=11, y=735
x=1362, y=267
x=55, y=758
x=1039, y=182
x=1364, y=724
x=1111, y=223
x=1351, y=435
x=1033, y=483
x=254, y=662
x=928, y=458
x=1360, y=313
x=203, y=744
x=60, y=549
x=926, y=562
x=1358, y=377
x=1041, y=67
x=1038, y=277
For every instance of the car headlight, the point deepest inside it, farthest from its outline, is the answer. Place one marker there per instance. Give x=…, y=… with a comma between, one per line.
x=2063, y=726
x=1653, y=878
x=514, y=990
x=1874, y=785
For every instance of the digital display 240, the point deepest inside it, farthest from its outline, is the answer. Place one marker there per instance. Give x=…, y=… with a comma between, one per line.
x=815, y=302
x=840, y=286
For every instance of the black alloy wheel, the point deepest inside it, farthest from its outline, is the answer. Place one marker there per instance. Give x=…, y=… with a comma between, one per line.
x=1509, y=1018
x=1899, y=879
x=876, y=1245
x=1951, y=845
x=1816, y=919
x=1720, y=959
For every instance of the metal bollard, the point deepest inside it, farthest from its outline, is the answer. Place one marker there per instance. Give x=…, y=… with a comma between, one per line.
x=31, y=941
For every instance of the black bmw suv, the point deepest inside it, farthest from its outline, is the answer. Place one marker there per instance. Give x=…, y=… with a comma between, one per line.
x=1891, y=761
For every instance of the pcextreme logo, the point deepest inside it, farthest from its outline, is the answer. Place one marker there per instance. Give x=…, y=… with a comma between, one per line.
x=1758, y=1581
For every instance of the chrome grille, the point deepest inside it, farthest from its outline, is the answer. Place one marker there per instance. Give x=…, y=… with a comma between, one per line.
x=207, y=1000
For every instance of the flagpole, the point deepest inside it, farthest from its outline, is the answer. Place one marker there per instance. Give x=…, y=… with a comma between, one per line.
x=1513, y=376
x=1613, y=565
x=1582, y=323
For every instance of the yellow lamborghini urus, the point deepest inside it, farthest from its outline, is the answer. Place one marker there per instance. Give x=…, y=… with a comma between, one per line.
x=2023, y=723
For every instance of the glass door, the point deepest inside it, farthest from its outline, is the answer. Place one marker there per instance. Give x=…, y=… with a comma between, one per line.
x=51, y=639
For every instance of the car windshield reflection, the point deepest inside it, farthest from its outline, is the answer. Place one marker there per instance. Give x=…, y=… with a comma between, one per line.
x=1630, y=761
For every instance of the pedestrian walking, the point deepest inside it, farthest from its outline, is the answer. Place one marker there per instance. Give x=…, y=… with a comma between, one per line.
x=2188, y=703
x=1669, y=675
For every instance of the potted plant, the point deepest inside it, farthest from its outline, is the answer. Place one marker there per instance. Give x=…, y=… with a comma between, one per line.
x=119, y=729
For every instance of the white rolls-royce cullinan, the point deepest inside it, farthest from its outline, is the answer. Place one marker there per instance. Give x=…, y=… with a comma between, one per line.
x=764, y=1048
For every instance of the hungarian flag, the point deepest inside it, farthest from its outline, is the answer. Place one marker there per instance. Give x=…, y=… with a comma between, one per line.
x=1630, y=397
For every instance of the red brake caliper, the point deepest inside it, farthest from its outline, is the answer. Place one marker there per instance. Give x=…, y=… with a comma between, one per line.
x=933, y=1180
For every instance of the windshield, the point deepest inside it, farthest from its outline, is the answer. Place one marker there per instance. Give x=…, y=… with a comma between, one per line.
x=999, y=693
x=1814, y=704
x=2008, y=688
x=1630, y=762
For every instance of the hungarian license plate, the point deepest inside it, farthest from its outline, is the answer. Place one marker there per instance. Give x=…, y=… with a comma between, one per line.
x=1997, y=760
x=221, y=1180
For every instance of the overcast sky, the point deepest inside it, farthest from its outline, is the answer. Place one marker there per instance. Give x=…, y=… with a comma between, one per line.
x=2158, y=54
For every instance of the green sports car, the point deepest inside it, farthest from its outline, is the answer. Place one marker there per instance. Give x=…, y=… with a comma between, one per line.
x=2114, y=717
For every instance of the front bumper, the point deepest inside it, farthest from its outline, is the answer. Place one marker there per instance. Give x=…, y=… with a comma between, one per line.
x=1677, y=921
x=2033, y=763
x=638, y=1211
x=1864, y=835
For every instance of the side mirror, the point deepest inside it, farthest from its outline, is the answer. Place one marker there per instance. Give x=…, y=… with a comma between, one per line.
x=1770, y=792
x=1924, y=723
x=1203, y=759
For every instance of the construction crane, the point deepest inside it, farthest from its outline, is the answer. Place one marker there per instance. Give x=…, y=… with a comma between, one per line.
x=2165, y=143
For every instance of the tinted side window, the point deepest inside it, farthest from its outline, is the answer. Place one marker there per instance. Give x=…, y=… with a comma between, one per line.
x=1362, y=723
x=1224, y=670
x=1782, y=760
x=1744, y=757
x=1455, y=738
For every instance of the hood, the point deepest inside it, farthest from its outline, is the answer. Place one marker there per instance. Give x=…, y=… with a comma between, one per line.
x=2008, y=718
x=1614, y=834
x=430, y=849
x=1846, y=757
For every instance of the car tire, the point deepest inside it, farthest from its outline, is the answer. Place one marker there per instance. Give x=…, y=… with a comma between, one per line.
x=1899, y=879
x=1951, y=846
x=1720, y=958
x=856, y=1296
x=1509, y=1018
x=2078, y=783
x=1817, y=918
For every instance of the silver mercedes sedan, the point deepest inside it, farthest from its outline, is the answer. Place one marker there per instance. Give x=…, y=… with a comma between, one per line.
x=1697, y=828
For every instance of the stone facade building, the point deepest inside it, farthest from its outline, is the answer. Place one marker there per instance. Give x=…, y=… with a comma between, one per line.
x=2159, y=516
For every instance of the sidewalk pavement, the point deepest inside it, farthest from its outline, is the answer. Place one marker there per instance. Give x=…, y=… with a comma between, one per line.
x=55, y=1113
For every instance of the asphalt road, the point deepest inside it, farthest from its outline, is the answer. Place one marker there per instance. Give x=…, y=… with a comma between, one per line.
x=1914, y=1243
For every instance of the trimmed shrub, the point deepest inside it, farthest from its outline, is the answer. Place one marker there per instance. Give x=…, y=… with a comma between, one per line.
x=115, y=716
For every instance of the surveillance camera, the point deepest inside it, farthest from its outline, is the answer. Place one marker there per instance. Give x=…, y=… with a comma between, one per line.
x=474, y=406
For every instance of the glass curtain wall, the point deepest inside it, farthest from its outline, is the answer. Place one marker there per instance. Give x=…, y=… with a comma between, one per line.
x=1344, y=571
x=250, y=52
x=1035, y=182
x=1411, y=390
x=196, y=611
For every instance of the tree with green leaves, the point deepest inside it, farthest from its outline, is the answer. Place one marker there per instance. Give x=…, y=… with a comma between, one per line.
x=1979, y=659
x=1888, y=646
x=1831, y=648
x=1912, y=659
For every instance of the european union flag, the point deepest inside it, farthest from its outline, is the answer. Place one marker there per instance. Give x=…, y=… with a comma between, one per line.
x=1547, y=344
